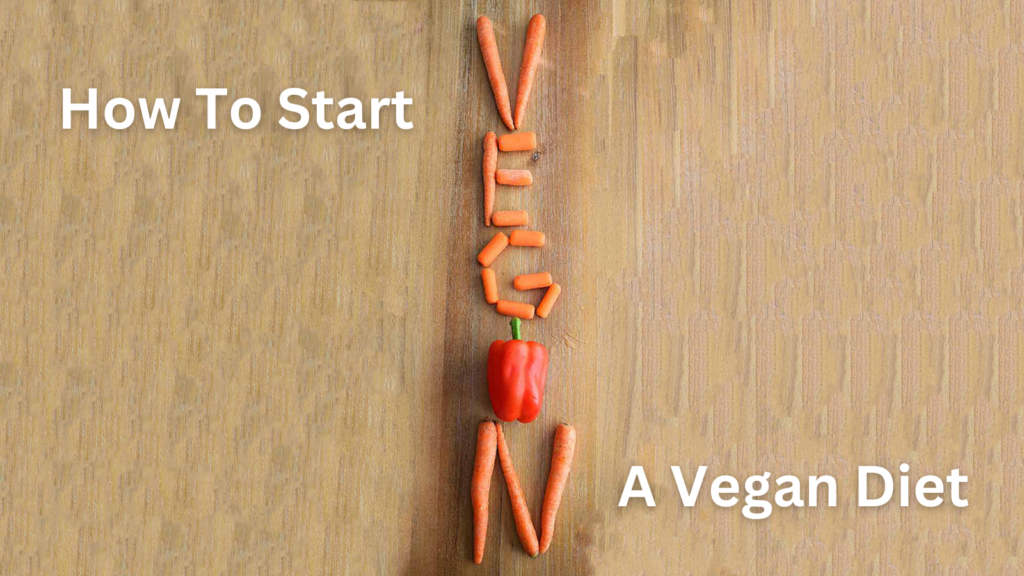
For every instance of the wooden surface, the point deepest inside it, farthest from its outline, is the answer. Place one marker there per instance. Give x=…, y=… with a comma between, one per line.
x=790, y=236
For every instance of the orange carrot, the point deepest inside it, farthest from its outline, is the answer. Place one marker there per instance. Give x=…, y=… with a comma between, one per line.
x=517, y=142
x=490, y=285
x=526, y=238
x=511, y=218
x=532, y=281
x=493, y=248
x=521, y=514
x=517, y=309
x=531, y=58
x=561, y=461
x=489, y=50
x=490, y=166
x=549, y=300
x=514, y=177
x=486, y=445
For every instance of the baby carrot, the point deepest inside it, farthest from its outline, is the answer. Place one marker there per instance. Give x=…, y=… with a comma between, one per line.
x=517, y=309
x=490, y=166
x=561, y=461
x=532, y=281
x=511, y=218
x=548, y=302
x=531, y=58
x=490, y=285
x=521, y=514
x=489, y=51
x=526, y=238
x=486, y=445
x=514, y=177
x=493, y=248
x=517, y=142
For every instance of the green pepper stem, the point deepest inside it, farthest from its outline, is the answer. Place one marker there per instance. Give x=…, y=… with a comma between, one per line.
x=515, y=323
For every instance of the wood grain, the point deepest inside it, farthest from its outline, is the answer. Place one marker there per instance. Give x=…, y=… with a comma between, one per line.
x=790, y=237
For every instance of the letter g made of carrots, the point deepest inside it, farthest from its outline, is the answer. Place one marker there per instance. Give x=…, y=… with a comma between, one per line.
x=516, y=373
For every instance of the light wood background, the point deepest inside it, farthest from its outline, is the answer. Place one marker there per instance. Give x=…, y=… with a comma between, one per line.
x=790, y=236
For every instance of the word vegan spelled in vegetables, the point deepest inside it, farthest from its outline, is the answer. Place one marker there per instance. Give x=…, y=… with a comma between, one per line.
x=516, y=373
x=516, y=369
x=486, y=445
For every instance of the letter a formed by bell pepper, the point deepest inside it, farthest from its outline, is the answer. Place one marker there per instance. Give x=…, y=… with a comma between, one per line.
x=516, y=372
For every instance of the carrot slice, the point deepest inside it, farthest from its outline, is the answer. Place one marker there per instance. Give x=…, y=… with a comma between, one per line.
x=517, y=309
x=514, y=177
x=489, y=51
x=532, y=281
x=490, y=166
x=493, y=248
x=531, y=58
x=511, y=218
x=517, y=142
x=520, y=513
x=490, y=285
x=526, y=238
x=550, y=297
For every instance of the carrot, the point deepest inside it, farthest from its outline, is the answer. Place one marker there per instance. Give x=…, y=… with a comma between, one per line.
x=561, y=461
x=486, y=445
x=490, y=285
x=548, y=302
x=531, y=58
x=490, y=166
x=532, y=281
x=493, y=248
x=514, y=177
x=517, y=309
x=517, y=142
x=511, y=218
x=526, y=238
x=489, y=50
x=521, y=514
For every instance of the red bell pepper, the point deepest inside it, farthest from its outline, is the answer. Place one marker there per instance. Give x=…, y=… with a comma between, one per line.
x=516, y=372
